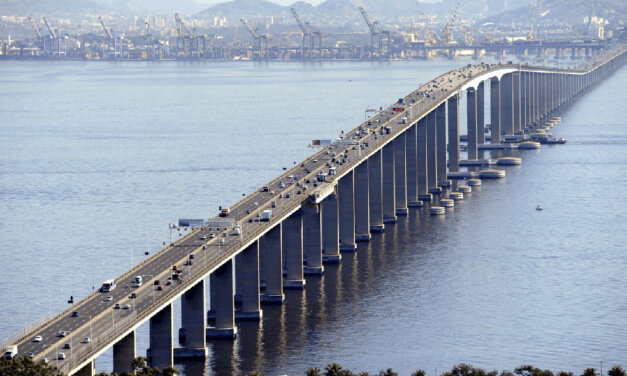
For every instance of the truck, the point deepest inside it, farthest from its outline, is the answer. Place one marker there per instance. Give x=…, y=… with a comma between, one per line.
x=236, y=231
x=266, y=215
x=224, y=212
x=10, y=352
x=107, y=286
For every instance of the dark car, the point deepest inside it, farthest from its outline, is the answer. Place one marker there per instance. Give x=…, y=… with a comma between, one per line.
x=133, y=296
x=74, y=314
x=156, y=282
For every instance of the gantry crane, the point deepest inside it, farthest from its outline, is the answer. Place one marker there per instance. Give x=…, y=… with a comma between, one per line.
x=35, y=28
x=116, y=41
x=261, y=40
x=188, y=44
x=308, y=35
x=53, y=41
x=376, y=33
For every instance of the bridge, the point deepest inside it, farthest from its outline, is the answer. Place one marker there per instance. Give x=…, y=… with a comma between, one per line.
x=289, y=229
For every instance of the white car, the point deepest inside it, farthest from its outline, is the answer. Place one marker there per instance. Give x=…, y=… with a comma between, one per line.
x=127, y=306
x=109, y=298
x=61, y=356
x=31, y=354
x=86, y=340
x=38, y=339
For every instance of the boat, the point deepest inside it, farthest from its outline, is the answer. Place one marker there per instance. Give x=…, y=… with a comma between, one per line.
x=538, y=207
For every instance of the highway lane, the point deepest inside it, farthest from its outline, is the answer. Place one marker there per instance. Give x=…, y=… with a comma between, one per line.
x=105, y=319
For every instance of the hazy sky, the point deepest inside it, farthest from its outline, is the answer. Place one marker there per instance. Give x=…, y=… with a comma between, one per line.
x=281, y=2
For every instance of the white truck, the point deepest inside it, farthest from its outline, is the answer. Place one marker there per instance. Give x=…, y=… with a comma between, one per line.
x=10, y=352
x=266, y=215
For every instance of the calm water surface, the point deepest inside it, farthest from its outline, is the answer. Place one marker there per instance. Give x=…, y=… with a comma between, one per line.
x=97, y=158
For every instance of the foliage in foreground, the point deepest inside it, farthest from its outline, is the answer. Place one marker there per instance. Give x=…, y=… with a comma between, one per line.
x=25, y=366
x=461, y=369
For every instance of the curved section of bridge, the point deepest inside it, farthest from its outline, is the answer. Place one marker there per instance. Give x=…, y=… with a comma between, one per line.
x=399, y=158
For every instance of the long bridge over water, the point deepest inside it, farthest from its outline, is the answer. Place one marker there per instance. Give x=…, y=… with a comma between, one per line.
x=403, y=157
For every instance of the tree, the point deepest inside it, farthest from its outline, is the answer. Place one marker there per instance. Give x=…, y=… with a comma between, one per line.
x=589, y=372
x=388, y=372
x=616, y=371
x=529, y=370
x=564, y=373
x=334, y=369
x=25, y=365
x=419, y=372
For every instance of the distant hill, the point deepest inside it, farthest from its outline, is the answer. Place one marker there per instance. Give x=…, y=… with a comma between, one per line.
x=572, y=12
x=156, y=6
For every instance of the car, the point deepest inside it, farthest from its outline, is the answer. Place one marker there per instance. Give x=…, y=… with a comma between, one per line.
x=66, y=346
x=31, y=354
x=204, y=237
x=117, y=306
x=86, y=340
x=156, y=282
x=74, y=314
x=38, y=339
x=45, y=360
x=109, y=298
x=287, y=195
x=133, y=296
x=250, y=219
x=191, y=257
x=62, y=333
x=127, y=306
x=61, y=356
x=160, y=288
x=168, y=283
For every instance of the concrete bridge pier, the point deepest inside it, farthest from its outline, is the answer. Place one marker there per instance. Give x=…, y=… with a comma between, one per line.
x=346, y=198
x=375, y=198
x=312, y=238
x=400, y=174
x=471, y=123
x=193, y=324
x=516, y=102
x=330, y=230
x=271, y=249
x=507, y=104
x=124, y=352
x=422, y=160
x=293, y=251
x=411, y=163
x=222, y=302
x=248, y=269
x=362, y=206
x=453, y=133
x=88, y=369
x=161, y=346
x=432, y=153
x=523, y=101
x=441, y=148
x=495, y=110
x=480, y=114
x=388, y=183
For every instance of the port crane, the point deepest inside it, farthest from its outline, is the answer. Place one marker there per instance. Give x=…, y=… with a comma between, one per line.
x=188, y=44
x=261, y=40
x=35, y=28
x=54, y=42
x=376, y=33
x=308, y=35
x=116, y=42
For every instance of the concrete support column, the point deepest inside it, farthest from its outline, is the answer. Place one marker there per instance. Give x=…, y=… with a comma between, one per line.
x=293, y=251
x=471, y=124
x=400, y=174
x=194, y=321
x=422, y=160
x=124, y=352
x=411, y=160
x=516, y=101
x=534, y=97
x=330, y=229
x=495, y=110
x=480, y=113
x=362, y=206
x=432, y=152
x=389, y=198
x=441, y=148
x=375, y=171
x=453, y=133
x=507, y=104
x=523, y=100
x=346, y=197
x=161, y=347
x=248, y=264
x=88, y=369
x=312, y=238
x=271, y=249
x=222, y=302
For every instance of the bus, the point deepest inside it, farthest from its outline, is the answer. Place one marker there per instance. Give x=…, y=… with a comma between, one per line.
x=108, y=285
